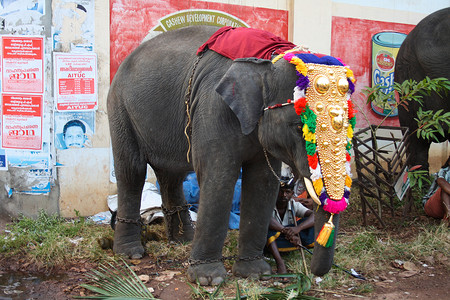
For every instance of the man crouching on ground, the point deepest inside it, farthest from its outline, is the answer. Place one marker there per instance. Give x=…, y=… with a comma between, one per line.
x=292, y=224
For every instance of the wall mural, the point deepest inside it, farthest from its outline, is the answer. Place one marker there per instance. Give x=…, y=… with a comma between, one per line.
x=370, y=48
x=134, y=21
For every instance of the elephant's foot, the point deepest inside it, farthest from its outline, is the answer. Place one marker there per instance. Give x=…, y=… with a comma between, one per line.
x=184, y=235
x=207, y=274
x=251, y=268
x=178, y=224
x=127, y=240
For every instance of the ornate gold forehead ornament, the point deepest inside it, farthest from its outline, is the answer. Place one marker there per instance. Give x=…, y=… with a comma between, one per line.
x=322, y=100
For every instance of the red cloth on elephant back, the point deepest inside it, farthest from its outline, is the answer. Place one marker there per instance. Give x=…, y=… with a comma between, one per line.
x=244, y=42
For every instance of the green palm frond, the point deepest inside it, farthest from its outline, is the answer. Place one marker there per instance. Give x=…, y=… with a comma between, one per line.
x=116, y=282
x=301, y=284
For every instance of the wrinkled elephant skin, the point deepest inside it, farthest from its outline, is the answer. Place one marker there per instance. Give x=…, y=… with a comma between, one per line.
x=228, y=130
x=424, y=52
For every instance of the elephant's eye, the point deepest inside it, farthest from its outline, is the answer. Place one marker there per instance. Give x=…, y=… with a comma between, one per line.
x=343, y=86
x=322, y=84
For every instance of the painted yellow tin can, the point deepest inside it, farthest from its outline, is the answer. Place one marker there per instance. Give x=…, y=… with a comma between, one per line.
x=385, y=46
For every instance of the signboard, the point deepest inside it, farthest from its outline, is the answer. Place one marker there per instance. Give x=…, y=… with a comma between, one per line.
x=23, y=64
x=22, y=121
x=75, y=81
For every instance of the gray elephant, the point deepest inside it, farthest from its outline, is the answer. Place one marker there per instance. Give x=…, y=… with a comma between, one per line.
x=424, y=52
x=179, y=111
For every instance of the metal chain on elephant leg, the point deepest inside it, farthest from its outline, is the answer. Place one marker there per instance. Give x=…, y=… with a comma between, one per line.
x=137, y=222
x=168, y=214
x=196, y=262
x=187, y=102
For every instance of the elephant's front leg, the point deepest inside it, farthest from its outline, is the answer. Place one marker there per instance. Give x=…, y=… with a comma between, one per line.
x=259, y=192
x=214, y=211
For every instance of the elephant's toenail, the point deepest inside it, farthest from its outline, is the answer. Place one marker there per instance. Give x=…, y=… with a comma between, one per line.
x=136, y=256
x=203, y=281
x=217, y=281
x=264, y=278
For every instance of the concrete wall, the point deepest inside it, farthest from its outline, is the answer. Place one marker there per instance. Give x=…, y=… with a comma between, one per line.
x=80, y=179
x=83, y=178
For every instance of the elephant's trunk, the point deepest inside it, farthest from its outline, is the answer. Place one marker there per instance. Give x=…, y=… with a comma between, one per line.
x=322, y=259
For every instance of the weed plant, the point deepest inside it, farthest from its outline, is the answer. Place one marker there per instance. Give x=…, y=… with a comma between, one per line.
x=50, y=240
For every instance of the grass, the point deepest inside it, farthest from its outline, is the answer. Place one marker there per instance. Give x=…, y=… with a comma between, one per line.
x=51, y=241
x=372, y=251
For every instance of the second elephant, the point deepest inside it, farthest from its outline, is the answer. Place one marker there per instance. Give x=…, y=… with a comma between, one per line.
x=425, y=52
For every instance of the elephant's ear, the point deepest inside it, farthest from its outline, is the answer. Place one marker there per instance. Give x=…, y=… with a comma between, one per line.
x=243, y=88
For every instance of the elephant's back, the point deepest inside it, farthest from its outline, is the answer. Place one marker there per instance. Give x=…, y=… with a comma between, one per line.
x=160, y=64
x=167, y=48
x=426, y=49
x=149, y=90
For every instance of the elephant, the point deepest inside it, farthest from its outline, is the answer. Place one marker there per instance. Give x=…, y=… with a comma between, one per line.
x=424, y=52
x=178, y=110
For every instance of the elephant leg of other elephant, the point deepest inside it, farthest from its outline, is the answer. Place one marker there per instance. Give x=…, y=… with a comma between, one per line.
x=259, y=193
x=216, y=193
x=176, y=211
x=418, y=152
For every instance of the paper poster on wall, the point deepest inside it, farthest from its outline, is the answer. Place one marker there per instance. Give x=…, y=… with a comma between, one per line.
x=74, y=129
x=75, y=81
x=22, y=121
x=73, y=26
x=32, y=174
x=22, y=16
x=3, y=160
x=23, y=64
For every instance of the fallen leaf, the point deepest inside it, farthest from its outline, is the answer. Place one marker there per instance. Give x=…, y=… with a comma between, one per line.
x=167, y=275
x=441, y=257
x=382, y=284
x=409, y=266
x=135, y=261
x=429, y=260
x=149, y=266
x=407, y=274
x=135, y=268
x=144, y=278
x=398, y=264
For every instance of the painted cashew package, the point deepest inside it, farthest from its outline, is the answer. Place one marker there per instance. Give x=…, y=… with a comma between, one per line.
x=179, y=105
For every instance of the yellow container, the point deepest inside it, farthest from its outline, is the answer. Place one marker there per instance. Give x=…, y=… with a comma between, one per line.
x=385, y=46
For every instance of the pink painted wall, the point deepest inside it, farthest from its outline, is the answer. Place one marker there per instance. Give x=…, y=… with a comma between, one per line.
x=131, y=21
x=352, y=42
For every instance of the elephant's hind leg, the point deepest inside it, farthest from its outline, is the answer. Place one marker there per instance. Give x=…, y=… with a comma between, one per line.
x=176, y=211
x=130, y=171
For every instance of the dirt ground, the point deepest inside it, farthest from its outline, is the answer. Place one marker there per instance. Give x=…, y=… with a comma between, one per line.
x=168, y=280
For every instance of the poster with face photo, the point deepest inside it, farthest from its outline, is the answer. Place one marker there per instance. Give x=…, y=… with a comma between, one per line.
x=74, y=129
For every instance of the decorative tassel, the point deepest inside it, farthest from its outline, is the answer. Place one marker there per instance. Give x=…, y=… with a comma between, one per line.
x=326, y=234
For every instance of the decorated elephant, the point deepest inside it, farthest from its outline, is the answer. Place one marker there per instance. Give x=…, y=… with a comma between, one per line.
x=424, y=52
x=178, y=105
